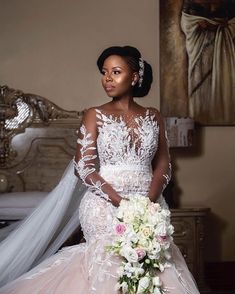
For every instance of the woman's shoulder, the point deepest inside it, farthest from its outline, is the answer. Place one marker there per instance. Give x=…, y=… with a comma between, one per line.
x=157, y=116
x=155, y=112
x=89, y=115
x=92, y=112
x=94, y=109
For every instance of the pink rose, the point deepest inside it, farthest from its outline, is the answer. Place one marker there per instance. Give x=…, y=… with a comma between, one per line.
x=141, y=253
x=120, y=229
x=162, y=239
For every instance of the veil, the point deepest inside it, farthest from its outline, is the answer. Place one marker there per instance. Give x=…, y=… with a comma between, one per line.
x=43, y=232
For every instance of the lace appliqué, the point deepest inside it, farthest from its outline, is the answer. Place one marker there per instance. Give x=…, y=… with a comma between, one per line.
x=96, y=216
x=167, y=176
x=86, y=166
x=121, y=142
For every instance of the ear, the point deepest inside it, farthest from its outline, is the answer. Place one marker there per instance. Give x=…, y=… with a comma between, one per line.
x=135, y=78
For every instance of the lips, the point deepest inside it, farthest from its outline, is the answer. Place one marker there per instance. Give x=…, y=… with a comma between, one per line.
x=108, y=88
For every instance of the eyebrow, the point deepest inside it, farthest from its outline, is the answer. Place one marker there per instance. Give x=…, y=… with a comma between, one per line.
x=115, y=67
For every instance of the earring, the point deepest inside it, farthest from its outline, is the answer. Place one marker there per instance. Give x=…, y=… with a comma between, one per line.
x=133, y=83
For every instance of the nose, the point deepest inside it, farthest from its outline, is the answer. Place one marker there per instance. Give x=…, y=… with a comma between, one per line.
x=108, y=78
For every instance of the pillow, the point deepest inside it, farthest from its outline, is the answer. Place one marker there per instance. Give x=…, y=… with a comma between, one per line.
x=17, y=205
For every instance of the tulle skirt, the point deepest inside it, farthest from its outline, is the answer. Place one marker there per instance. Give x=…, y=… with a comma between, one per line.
x=89, y=268
x=86, y=268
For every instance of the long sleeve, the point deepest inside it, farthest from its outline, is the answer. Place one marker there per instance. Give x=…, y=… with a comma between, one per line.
x=86, y=159
x=161, y=164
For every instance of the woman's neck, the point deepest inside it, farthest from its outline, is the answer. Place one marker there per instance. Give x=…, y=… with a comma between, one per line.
x=124, y=104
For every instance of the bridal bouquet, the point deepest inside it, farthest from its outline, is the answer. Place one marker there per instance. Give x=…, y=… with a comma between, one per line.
x=142, y=236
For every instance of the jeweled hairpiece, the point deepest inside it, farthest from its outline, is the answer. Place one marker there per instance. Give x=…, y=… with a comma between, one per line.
x=141, y=71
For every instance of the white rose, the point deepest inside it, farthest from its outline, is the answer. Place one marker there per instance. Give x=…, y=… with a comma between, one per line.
x=157, y=206
x=128, y=270
x=128, y=218
x=138, y=271
x=119, y=214
x=156, y=291
x=154, y=255
x=132, y=237
x=157, y=282
x=143, y=242
x=120, y=271
x=166, y=212
x=167, y=264
x=143, y=285
x=161, y=267
x=124, y=287
x=161, y=229
x=170, y=229
x=156, y=245
x=129, y=253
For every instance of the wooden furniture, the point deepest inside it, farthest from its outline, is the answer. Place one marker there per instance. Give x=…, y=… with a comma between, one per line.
x=189, y=237
x=37, y=140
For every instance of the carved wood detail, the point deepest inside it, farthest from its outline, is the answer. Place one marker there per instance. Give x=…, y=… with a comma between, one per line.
x=37, y=140
x=189, y=236
x=18, y=111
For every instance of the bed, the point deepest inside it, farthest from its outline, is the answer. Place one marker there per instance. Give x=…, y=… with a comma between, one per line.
x=37, y=141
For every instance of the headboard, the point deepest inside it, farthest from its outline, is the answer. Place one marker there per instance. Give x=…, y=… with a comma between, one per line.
x=37, y=140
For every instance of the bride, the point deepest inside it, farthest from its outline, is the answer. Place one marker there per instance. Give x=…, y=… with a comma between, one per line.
x=129, y=143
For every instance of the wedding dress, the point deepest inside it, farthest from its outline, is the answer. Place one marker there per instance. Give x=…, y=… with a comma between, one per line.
x=125, y=147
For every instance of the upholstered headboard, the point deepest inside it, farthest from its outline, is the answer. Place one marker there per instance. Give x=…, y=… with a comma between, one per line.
x=38, y=139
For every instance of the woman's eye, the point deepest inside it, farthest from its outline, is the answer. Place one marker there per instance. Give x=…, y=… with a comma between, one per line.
x=116, y=72
x=103, y=72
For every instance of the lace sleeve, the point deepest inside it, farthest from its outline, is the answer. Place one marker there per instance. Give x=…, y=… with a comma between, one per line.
x=85, y=161
x=161, y=163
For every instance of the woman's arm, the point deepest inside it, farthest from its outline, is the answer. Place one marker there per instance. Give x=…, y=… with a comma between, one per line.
x=86, y=159
x=161, y=163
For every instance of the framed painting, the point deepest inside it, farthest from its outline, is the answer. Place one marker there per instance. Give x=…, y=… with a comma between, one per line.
x=197, y=60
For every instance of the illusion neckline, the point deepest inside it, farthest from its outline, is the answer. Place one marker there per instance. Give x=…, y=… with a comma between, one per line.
x=144, y=114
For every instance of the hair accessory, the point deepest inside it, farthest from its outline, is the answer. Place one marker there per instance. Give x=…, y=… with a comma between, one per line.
x=141, y=71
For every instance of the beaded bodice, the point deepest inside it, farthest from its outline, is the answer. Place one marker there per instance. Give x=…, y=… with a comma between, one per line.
x=126, y=147
x=121, y=142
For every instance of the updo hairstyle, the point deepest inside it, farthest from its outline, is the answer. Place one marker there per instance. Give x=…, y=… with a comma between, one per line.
x=132, y=56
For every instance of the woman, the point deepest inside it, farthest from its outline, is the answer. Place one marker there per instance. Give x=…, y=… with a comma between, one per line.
x=134, y=160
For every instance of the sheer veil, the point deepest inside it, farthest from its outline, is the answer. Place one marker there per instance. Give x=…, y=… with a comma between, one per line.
x=44, y=231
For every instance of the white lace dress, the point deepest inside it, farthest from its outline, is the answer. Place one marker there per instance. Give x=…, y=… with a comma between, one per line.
x=125, y=147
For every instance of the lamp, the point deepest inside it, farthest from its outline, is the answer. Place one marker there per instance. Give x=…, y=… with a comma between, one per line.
x=180, y=131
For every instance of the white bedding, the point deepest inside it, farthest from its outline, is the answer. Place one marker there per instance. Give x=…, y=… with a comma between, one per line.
x=17, y=205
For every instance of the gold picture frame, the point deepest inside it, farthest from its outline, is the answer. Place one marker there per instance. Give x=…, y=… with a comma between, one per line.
x=186, y=80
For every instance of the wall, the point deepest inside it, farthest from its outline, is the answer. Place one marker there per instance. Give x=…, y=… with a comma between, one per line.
x=50, y=47
x=205, y=176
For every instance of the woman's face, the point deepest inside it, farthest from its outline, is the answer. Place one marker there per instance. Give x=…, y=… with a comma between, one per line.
x=117, y=77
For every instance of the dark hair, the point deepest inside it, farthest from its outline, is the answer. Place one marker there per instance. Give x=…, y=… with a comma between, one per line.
x=132, y=56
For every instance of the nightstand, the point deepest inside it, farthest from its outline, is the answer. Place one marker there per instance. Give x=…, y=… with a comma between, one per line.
x=189, y=237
